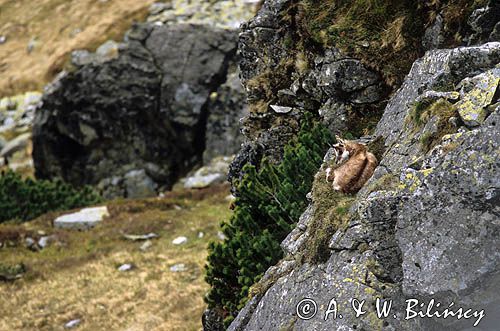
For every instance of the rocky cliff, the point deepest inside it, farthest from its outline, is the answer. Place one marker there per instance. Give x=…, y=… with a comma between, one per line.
x=426, y=224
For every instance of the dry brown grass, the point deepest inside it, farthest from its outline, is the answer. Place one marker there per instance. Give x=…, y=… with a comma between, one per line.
x=53, y=23
x=78, y=278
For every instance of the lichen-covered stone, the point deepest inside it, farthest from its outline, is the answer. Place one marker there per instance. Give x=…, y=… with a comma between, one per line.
x=448, y=229
x=437, y=70
x=477, y=94
x=434, y=233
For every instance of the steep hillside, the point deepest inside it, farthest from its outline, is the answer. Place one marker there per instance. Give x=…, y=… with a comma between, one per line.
x=41, y=34
x=76, y=276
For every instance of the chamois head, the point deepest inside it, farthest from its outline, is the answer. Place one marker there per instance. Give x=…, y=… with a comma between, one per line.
x=347, y=148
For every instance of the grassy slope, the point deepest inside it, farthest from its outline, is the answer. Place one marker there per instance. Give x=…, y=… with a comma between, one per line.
x=53, y=23
x=79, y=279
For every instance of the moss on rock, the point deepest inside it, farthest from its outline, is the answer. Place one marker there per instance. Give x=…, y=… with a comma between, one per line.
x=437, y=113
x=331, y=213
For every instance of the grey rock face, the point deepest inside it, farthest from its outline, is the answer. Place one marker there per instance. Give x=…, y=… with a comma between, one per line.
x=437, y=70
x=477, y=93
x=260, y=37
x=433, y=37
x=485, y=22
x=261, y=46
x=145, y=109
x=343, y=79
x=212, y=320
x=227, y=107
x=344, y=84
x=433, y=234
x=448, y=230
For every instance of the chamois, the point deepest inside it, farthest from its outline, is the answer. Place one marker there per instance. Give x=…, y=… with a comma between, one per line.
x=354, y=166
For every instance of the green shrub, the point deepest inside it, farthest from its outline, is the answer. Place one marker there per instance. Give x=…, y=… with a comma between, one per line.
x=269, y=203
x=25, y=199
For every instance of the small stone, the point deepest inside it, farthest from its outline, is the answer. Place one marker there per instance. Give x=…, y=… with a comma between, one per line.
x=139, y=185
x=107, y=51
x=30, y=243
x=201, y=234
x=72, y=324
x=3, y=39
x=146, y=245
x=158, y=7
x=15, y=145
x=134, y=237
x=453, y=121
x=281, y=109
x=125, y=267
x=84, y=219
x=436, y=95
x=9, y=121
x=177, y=207
x=75, y=32
x=81, y=57
x=221, y=235
x=31, y=45
x=179, y=240
x=203, y=181
x=178, y=267
x=45, y=241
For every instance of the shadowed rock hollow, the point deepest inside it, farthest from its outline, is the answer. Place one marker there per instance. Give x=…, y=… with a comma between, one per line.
x=133, y=120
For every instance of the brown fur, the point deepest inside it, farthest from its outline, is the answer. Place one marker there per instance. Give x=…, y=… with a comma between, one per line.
x=352, y=170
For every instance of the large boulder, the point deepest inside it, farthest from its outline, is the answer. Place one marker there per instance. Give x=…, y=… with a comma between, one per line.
x=137, y=107
x=227, y=107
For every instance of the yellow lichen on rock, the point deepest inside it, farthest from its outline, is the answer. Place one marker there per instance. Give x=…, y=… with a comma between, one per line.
x=472, y=106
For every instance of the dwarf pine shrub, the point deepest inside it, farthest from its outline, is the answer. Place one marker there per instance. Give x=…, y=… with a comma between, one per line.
x=24, y=199
x=269, y=203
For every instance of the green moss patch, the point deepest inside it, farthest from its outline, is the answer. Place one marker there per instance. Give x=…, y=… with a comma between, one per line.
x=442, y=110
x=387, y=182
x=385, y=35
x=331, y=213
